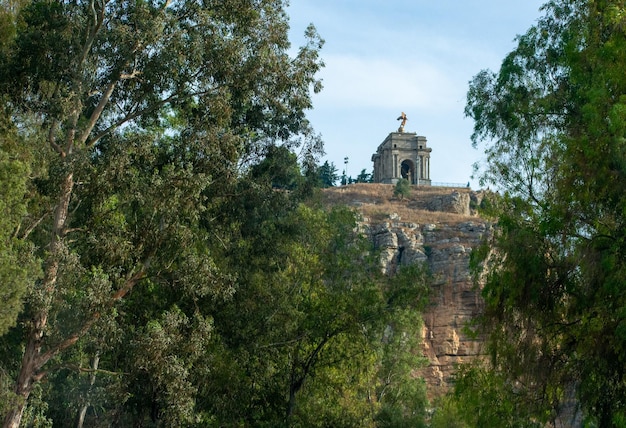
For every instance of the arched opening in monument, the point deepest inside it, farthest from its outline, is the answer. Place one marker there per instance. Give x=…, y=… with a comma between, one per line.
x=407, y=170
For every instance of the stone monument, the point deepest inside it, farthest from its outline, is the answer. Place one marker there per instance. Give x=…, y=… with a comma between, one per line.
x=402, y=155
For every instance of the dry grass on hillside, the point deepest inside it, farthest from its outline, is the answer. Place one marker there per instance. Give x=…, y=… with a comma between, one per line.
x=376, y=202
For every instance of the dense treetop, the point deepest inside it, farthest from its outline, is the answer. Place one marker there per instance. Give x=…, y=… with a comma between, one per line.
x=162, y=260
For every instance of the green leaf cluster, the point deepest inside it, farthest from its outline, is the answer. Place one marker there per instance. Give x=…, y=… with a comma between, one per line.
x=18, y=263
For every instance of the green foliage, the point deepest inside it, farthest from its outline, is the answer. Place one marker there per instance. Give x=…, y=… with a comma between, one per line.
x=18, y=265
x=304, y=331
x=401, y=395
x=447, y=414
x=159, y=264
x=13, y=275
x=126, y=131
x=279, y=167
x=554, y=115
x=35, y=414
x=484, y=397
x=402, y=189
x=327, y=173
x=363, y=177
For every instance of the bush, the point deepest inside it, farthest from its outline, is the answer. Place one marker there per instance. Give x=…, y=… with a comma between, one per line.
x=402, y=189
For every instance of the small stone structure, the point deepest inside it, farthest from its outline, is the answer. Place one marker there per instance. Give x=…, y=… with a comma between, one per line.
x=402, y=155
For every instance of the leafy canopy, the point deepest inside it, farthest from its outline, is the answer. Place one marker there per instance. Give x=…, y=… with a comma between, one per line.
x=160, y=266
x=553, y=122
x=126, y=128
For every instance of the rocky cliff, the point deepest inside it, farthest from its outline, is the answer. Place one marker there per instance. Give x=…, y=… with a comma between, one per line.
x=436, y=226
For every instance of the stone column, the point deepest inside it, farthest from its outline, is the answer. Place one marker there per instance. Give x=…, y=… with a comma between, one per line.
x=395, y=166
x=418, y=170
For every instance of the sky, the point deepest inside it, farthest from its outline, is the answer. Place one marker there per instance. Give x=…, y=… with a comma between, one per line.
x=384, y=57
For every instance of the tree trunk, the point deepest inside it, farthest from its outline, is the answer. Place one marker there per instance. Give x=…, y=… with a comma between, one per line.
x=291, y=406
x=25, y=380
x=92, y=380
x=14, y=416
x=32, y=359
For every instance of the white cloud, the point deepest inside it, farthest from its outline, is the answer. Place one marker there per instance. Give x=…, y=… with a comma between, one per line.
x=384, y=82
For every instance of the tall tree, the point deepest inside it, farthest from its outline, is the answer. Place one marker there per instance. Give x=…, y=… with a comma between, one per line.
x=554, y=119
x=142, y=113
x=327, y=173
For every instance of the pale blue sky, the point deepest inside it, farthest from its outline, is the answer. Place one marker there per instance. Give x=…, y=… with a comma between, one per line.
x=387, y=56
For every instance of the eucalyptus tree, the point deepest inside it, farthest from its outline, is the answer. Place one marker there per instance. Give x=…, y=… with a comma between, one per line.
x=553, y=120
x=140, y=115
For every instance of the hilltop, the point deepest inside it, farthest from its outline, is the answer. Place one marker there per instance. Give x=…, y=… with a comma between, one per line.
x=427, y=204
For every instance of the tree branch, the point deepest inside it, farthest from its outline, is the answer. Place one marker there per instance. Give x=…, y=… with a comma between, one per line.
x=42, y=359
x=46, y=356
x=98, y=19
x=97, y=112
x=86, y=370
x=133, y=115
x=125, y=119
x=32, y=227
x=130, y=283
x=52, y=139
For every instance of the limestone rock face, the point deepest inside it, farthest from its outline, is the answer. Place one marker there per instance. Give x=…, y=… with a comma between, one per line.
x=446, y=248
x=455, y=202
